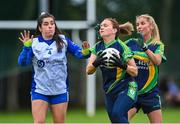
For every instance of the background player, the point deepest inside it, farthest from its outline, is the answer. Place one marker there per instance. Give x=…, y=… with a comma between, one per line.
x=148, y=54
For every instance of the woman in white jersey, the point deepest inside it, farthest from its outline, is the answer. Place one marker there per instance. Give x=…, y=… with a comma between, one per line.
x=47, y=53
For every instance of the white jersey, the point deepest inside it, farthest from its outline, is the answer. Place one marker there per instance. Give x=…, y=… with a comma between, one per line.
x=50, y=67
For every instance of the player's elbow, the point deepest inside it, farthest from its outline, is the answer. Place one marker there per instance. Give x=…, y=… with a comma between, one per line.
x=89, y=73
x=157, y=62
x=90, y=70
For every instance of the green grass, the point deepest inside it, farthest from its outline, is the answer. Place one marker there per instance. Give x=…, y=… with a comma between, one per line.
x=170, y=115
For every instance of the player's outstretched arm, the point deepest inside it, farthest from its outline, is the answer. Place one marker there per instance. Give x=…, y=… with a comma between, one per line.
x=77, y=51
x=26, y=54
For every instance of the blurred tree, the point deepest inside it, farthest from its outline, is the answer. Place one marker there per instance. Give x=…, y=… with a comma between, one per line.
x=10, y=48
x=165, y=19
x=68, y=10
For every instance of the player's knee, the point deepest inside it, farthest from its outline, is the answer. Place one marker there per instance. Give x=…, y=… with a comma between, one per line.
x=38, y=121
x=119, y=117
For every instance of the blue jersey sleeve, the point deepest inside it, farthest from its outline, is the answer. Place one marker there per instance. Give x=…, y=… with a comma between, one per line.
x=25, y=57
x=75, y=50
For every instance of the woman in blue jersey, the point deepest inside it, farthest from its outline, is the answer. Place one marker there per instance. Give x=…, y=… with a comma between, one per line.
x=118, y=82
x=148, y=54
x=47, y=53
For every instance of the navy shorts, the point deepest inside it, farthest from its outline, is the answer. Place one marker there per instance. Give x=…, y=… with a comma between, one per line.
x=118, y=105
x=148, y=102
x=51, y=99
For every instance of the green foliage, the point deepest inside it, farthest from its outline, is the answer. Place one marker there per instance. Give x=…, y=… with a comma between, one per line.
x=18, y=9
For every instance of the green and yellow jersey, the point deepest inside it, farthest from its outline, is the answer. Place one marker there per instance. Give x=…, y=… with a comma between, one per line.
x=115, y=79
x=148, y=72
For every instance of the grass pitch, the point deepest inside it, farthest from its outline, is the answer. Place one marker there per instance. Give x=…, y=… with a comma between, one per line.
x=170, y=115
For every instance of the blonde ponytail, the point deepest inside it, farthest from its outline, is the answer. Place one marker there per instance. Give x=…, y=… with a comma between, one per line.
x=126, y=29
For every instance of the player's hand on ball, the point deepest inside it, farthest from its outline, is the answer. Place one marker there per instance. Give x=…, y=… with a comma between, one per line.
x=25, y=38
x=100, y=60
x=117, y=61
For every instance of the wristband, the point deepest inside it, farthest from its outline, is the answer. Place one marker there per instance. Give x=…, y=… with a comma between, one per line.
x=145, y=48
x=86, y=51
x=28, y=43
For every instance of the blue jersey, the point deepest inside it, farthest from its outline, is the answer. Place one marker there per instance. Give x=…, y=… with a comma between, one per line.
x=148, y=72
x=49, y=64
x=115, y=79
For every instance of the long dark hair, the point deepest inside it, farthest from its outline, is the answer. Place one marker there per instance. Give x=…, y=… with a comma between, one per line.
x=59, y=41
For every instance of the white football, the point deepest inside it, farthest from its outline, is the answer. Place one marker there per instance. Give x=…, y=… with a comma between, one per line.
x=109, y=52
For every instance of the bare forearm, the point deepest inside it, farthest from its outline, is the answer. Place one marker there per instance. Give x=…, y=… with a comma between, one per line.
x=155, y=58
x=132, y=70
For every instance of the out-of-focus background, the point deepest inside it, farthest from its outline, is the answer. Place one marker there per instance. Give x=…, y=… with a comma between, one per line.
x=77, y=18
